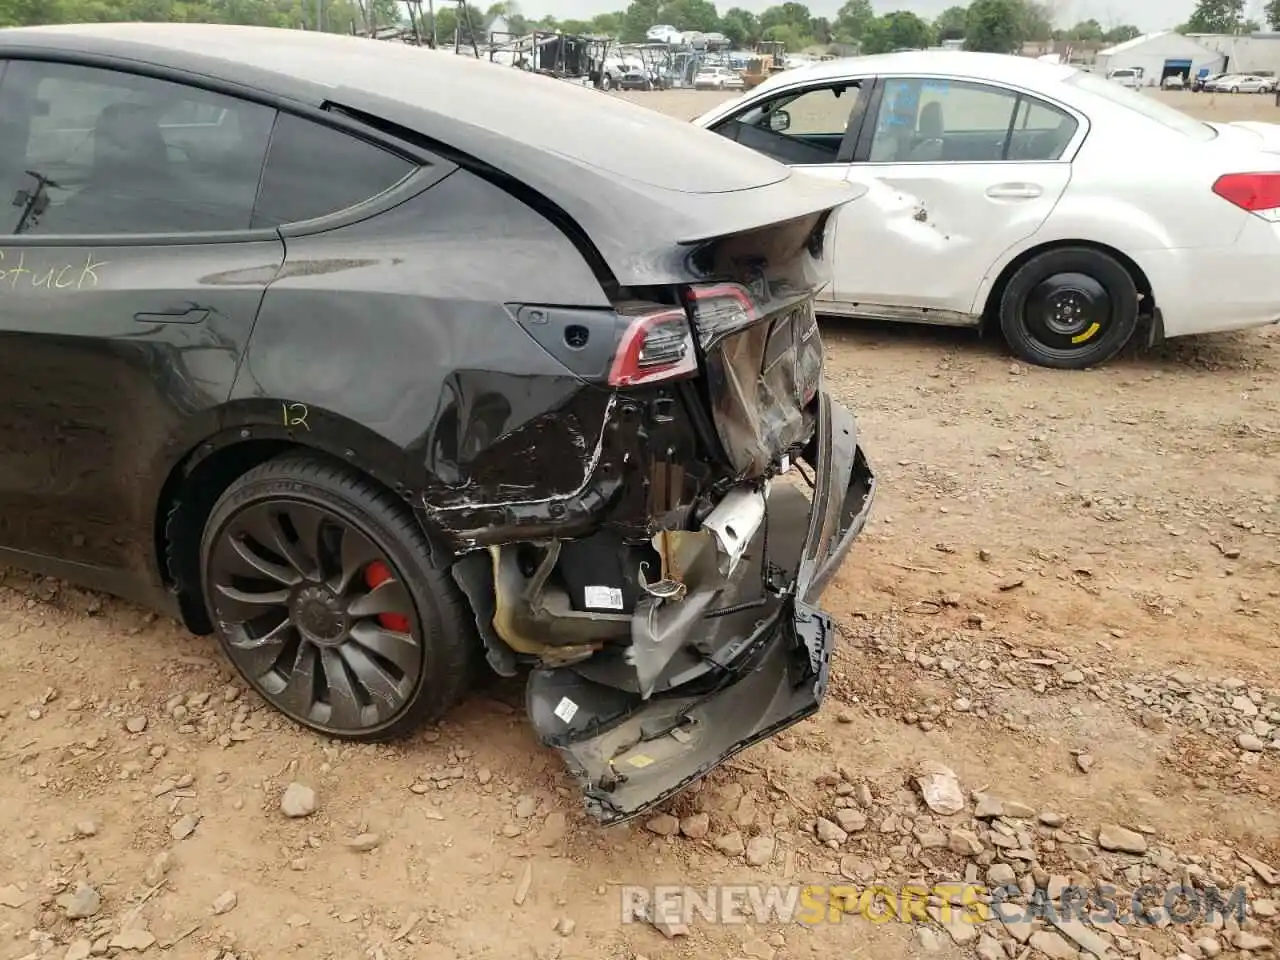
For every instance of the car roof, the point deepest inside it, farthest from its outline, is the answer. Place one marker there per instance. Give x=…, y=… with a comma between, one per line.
x=997, y=67
x=604, y=161
x=433, y=92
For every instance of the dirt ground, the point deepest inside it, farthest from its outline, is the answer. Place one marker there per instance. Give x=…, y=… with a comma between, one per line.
x=1069, y=594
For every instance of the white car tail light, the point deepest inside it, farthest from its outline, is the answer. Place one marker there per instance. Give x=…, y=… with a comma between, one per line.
x=1258, y=193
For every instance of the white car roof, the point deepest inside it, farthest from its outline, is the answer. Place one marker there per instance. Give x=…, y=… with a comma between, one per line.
x=997, y=67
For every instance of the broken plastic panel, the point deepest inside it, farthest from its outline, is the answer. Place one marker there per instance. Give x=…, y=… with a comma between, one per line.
x=762, y=373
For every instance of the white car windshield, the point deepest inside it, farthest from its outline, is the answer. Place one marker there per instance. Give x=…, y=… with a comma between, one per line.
x=1140, y=103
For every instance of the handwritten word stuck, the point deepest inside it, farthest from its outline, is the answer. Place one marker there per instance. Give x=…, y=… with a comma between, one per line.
x=17, y=273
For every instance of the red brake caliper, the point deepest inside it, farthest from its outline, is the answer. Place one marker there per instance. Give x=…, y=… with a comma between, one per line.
x=375, y=575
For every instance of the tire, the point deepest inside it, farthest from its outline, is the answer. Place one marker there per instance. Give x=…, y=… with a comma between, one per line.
x=606, y=83
x=356, y=650
x=1069, y=308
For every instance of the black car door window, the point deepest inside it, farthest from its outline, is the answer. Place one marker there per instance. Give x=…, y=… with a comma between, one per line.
x=92, y=151
x=797, y=127
x=314, y=170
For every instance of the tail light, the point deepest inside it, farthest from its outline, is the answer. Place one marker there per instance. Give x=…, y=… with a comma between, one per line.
x=720, y=309
x=1257, y=193
x=655, y=346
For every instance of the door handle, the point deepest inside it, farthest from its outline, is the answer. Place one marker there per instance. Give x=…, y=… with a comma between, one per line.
x=1015, y=191
x=194, y=315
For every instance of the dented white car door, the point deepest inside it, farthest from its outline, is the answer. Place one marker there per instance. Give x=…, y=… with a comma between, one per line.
x=975, y=169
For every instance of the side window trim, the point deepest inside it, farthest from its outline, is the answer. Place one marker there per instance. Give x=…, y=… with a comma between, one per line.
x=861, y=142
x=868, y=88
x=862, y=149
x=15, y=240
x=1013, y=122
x=419, y=180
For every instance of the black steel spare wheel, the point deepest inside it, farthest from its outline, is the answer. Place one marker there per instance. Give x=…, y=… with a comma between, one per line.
x=322, y=591
x=1070, y=308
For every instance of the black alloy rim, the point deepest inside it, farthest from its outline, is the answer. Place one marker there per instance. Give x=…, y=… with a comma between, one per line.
x=315, y=616
x=1067, y=312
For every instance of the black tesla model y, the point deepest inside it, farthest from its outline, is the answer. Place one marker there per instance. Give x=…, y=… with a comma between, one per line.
x=380, y=363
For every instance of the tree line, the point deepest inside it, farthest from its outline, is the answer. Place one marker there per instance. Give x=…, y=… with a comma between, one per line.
x=990, y=25
x=337, y=16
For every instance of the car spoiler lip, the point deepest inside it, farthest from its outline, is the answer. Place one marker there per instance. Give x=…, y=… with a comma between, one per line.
x=778, y=678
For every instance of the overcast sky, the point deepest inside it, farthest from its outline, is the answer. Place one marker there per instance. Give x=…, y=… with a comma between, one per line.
x=1147, y=15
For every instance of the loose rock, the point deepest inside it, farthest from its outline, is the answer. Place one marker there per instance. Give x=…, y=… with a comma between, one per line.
x=828, y=832
x=184, y=826
x=364, y=842
x=159, y=867
x=1053, y=945
x=1250, y=942
x=664, y=825
x=695, y=826
x=298, y=800
x=730, y=844
x=940, y=788
x=133, y=939
x=80, y=903
x=760, y=851
x=1208, y=946
x=964, y=842
x=225, y=902
x=850, y=821
x=1247, y=741
x=1113, y=837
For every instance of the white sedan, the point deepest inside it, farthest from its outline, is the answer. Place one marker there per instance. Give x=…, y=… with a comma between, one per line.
x=718, y=78
x=1247, y=84
x=1068, y=211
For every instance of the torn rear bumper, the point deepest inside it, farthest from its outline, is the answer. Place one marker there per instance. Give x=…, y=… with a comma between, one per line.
x=631, y=753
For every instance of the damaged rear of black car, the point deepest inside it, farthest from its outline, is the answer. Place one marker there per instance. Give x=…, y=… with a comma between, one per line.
x=669, y=600
x=555, y=396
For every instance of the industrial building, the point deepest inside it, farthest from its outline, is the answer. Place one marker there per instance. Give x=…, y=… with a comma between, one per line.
x=1246, y=53
x=1160, y=55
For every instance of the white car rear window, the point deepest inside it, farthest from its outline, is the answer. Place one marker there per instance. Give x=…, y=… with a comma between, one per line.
x=1140, y=103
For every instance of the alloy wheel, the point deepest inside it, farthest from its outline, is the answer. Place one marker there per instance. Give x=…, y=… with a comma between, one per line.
x=315, y=615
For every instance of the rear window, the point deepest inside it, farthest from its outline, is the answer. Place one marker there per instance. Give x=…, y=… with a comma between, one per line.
x=313, y=170
x=1149, y=107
